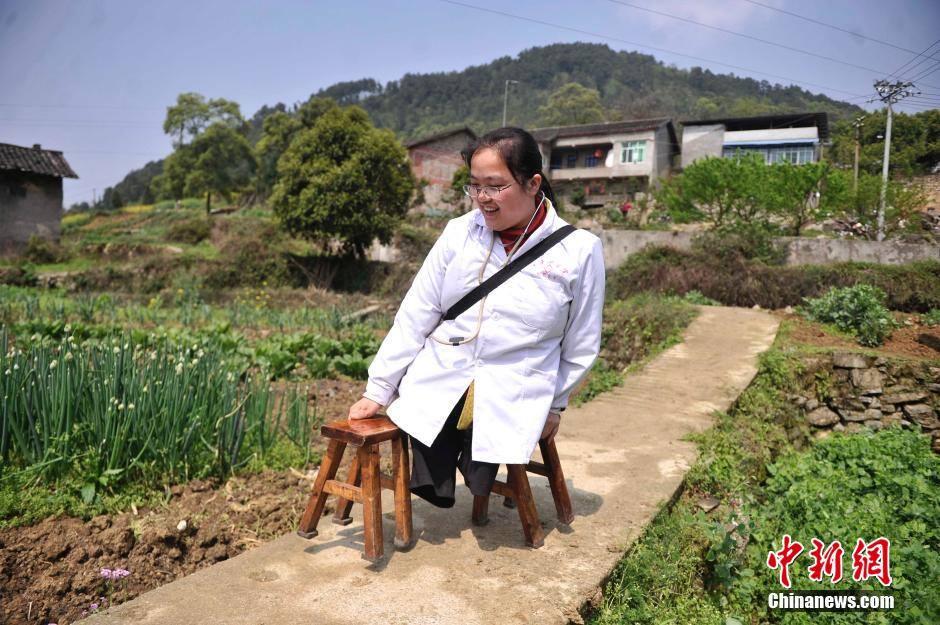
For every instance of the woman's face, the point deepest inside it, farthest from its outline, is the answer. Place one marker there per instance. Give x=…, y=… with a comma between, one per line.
x=513, y=206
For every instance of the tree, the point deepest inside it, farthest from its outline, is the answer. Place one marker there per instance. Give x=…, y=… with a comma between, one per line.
x=343, y=179
x=721, y=190
x=279, y=130
x=220, y=160
x=572, y=104
x=902, y=203
x=192, y=114
x=803, y=194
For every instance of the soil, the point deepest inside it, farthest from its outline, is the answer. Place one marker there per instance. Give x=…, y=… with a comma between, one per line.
x=50, y=572
x=912, y=340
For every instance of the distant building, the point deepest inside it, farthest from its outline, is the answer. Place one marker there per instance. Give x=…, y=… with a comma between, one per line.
x=609, y=162
x=434, y=160
x=795, y=137
x=30, y=194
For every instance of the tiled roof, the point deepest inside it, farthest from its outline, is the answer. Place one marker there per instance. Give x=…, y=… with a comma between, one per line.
x=634, y=125
x=34, y=160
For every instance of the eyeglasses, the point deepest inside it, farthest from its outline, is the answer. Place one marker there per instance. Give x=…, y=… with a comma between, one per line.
x=476, y=190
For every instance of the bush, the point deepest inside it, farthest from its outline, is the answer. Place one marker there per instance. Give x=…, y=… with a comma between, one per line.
x=913, y=287
x=42, y=251
x=191, y=231
x=857, y=309
x=932, y=317
x=752, y=241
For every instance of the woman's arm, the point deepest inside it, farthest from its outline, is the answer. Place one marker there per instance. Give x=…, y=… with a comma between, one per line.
x=581, y=342
x=420, y=312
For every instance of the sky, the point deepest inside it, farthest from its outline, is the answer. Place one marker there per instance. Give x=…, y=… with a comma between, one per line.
x=93, y=78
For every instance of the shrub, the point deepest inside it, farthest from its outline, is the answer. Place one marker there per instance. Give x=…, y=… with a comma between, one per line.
x=18, y=275
x=745, y=240
x=42, y=251
x=932, y=317
x=191, y=231
x=857, y=309
x=913, y=287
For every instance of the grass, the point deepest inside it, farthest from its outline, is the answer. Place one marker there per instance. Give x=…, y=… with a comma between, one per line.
x=692, y=567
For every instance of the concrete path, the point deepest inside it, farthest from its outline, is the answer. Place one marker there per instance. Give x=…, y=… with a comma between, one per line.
x=623, y=457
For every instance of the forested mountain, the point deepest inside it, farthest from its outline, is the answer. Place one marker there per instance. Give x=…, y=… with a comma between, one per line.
x=630, y=85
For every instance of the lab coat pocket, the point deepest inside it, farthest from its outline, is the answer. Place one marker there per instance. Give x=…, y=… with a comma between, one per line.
x=543, y=304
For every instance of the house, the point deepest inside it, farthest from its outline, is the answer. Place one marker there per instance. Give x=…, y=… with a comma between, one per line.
x=795, y=137
x=434, y=160
x=30, y=194
x=604, y=164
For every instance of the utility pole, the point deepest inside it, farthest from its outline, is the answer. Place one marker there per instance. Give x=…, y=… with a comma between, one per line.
x=889, y=93
x=506, y=98
x=858, y=131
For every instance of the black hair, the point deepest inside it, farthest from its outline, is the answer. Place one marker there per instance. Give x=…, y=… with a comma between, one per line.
x=518, y=149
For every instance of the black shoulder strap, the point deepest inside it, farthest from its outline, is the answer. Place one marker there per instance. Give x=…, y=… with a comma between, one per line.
x=506, y=272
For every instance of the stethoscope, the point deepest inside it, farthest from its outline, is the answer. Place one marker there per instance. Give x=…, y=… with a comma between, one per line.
x=459, y=340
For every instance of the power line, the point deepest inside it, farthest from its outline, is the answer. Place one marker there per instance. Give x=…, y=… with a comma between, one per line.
x=746, y=36
x=921, y=55
x=926, y=72
x=832, y=26
x=640, y=45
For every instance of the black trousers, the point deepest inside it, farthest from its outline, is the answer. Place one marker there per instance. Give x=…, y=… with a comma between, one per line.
x=434, y=469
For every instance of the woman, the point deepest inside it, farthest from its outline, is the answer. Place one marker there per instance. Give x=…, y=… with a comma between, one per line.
x=508, y=363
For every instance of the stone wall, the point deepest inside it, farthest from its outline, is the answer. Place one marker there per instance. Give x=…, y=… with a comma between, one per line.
x=619, y=244
x=850, y=392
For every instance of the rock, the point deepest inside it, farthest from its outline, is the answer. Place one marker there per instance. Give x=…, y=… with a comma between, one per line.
x=904, y=398
x=923, y=415
x=217, y=553
x=181, y=526
x=848, y=360
x=887, y=408
x=846, y=403
x=821, y=434
x=821, y=417
x=935, y=445
x=892, y=419
x=873, y=413
x=853, y=415
x=874, y=424
x=867, y=381
x=708, y=503
x=838, y=427
x=875, y=403
x=811, y=405
x=175, y=553
x=881, y=361
x=933, y=388
x=854, y=428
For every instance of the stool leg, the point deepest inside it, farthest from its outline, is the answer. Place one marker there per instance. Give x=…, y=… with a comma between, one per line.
x=371, y=502
x=508, y=501
x=311, y=516
x=404, y=533
x=481, y=509
x=343, y=506
x=556, y=481
x=531, y=527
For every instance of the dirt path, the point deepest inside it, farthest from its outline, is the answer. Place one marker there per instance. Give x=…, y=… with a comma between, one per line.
x=623, y=458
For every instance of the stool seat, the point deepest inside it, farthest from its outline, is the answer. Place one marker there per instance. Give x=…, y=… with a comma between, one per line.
x=365, y=435
x=359, y=432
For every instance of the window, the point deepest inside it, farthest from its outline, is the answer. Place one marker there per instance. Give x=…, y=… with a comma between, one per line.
x=796, y=154
x=555, y=161
x=572, y=160
x=633, y=151
x=591, y=161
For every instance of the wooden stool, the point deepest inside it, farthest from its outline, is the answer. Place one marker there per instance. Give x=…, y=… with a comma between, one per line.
x=518, y=494
x=365, y=435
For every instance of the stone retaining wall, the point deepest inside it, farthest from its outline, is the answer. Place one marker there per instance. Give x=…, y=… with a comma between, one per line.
x=854, y=392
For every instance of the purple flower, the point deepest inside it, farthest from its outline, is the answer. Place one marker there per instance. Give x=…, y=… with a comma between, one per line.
x=93, y=607
x=106, y=573
x=119, y=573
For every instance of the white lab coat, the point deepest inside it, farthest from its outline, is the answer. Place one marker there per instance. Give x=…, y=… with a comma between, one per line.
x=540, y=335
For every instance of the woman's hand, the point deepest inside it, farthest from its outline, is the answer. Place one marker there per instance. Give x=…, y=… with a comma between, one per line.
x=365, y=408
x=551, y=426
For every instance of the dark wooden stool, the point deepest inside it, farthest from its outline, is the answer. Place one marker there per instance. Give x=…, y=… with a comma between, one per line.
x=365, y=435
x=518, y=494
